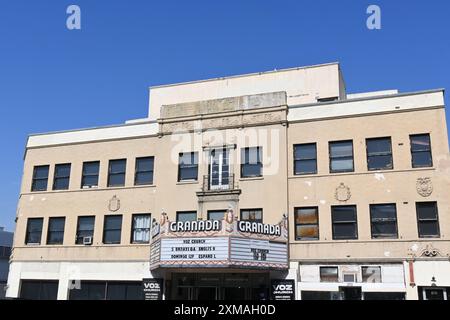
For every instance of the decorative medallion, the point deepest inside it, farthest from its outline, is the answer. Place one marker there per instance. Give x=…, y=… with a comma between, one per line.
x=164, y=218
x=114, y=204
x=430, y=251
x=424, y=186
x=342, y=193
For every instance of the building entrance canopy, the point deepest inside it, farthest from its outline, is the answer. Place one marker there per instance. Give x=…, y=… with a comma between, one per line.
x=219, y=243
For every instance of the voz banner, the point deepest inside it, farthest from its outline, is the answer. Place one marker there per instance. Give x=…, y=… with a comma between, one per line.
x=282, y=290
x=152, y=289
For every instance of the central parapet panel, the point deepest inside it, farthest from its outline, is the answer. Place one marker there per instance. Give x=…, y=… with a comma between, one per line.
x=226, y=243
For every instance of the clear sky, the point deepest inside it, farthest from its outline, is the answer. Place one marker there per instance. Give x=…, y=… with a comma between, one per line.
x=52, y=78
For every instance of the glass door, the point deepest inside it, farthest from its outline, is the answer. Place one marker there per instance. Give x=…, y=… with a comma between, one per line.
x=219, y=169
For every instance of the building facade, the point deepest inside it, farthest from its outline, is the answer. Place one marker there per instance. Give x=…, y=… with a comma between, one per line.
x=6, y=241
x=275, y=185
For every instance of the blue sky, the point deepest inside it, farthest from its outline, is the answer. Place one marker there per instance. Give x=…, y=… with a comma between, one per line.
x=55, y=79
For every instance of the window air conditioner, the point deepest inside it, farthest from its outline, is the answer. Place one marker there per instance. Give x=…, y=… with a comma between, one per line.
x=349, y=277
x=87, y=240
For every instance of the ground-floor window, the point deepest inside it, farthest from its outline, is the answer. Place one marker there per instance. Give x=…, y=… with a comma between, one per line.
x=38, y=289
x=107, y=290
x=384, y=296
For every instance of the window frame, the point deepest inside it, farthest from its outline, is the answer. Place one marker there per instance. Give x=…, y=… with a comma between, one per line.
x=368, y=156
x=28, y=232
x=422, y=151
x=78, y=229
x=259, y=162
x=383, y=236
x=49, y=231
x=334, y=158
x=56, y=178
x=110, y=174
x=194, y=156
x=438, y=235
x=298, y=238
x=329, y=267
x=34, y=179
x=252, y=209
x=133, y=227
x=307, y=159
x=136, y=171
x=105, y=231
x=178, y=213
x=367, y=266
x=355, y=222
x=83, y=175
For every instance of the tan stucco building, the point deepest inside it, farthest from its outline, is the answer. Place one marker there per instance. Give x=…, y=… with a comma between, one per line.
x=346, y=196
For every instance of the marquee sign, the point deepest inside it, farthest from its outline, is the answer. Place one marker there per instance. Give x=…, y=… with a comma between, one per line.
x=219, y=243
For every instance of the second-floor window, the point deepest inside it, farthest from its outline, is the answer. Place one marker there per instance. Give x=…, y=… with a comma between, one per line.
x=112, y=229
x=141, y=228
x=188, y=166
x=379, y=154
x=341, y=156
x=85, y=228
x=345, y=226
x=61, y=178
x=329, y=274
x=216, y=214
x=184, y=216
x=305, y=158
x=40, y=178
x=144, y=171
x=421, y=150
x=55, y=233
x=89, y=177
x=371, y=274
x=252, y=215
x=116, y=173
x=383, y=220
x=251, y=162
x=34, y=231
x=427, y=219
x=307, y=223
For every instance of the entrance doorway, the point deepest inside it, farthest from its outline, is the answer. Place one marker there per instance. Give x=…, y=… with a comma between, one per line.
x=214, y=286
x=434, y=293
x=350, y=293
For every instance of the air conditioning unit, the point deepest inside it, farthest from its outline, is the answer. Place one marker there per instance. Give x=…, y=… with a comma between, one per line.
x=87, y=240
x=349, y=277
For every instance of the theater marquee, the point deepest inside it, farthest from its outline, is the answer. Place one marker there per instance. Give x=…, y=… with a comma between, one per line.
x=220, y=243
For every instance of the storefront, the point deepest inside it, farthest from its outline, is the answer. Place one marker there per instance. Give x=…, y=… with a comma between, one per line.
x=223, y=259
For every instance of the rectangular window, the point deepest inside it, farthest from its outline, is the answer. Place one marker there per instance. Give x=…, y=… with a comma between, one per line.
x=34, y=231
x=62, y=176
x=421, y=150
x=379, y=154
x=40, y=178
x=251, y=162
x=38, y=289
x=371, y=274
x=112, y=229
x=85, y=228
x=188, y=166
x=345, y=225
x=144, y=171
x=341, y=156
x=55, y=233
x=141, y=228
x=252, y=215
x=184, y=216
x=329, y=274
x=116, y=173
x=305, y=158
x=107, y=290
x=307, y=223
x=89, y=177
x=216, y=214
x=427, y=219
x=383, y=219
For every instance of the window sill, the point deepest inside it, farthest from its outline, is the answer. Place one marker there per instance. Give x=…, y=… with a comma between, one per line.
x=187, y=182
x=251, y=178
